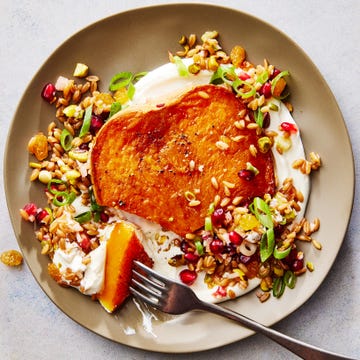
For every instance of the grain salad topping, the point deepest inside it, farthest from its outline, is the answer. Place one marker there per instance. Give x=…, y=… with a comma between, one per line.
x=241, y=239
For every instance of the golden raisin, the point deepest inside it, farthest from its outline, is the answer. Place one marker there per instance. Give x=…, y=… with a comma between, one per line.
x=38, y=146
x=11, y=258
x=121, y=95
x=54, y=272
x=237, y=55
x=279, y=87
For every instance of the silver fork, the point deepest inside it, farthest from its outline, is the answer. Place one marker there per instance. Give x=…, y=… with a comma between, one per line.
x=176, y=298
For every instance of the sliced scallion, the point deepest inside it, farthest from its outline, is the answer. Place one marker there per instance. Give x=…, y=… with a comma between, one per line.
x=263, y=77
x=267, y=244
x=199, y=247
x=65, y=139
x=181, y=67
x=278, y=287
x=52, y=182
x=259, y=117
x=262, y=212
x=290, y=279
x=63, y=198
x=115, y=107
x=122, y=79
x=86, y=122
x=189, y=196
x=83, y=217
x=281, y=253
x=252, y=168
x=208, y=224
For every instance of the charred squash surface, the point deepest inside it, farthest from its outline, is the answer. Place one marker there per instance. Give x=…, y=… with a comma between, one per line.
x=122, y=248
x=146, y=160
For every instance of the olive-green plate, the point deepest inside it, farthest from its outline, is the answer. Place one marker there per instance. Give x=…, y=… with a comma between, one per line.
x=139, y=40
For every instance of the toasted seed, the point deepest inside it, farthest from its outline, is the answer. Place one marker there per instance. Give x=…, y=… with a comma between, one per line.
x=225, y=201
x=237, y=200
x=252, y=126
x=229, y=184
x=310, y=266
x=214, y=183
x=316, y=244
x=222, y=145
x=204, y=94
x=194, y=203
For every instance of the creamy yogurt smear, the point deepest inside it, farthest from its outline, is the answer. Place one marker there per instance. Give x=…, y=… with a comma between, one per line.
x=155, y=88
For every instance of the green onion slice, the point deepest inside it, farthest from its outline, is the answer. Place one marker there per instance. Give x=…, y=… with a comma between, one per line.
x=267, y=244
x=94, y=206
x=55, y=181
x=181, y=68
x=259, y=117
x=115, y=108
x=211, y=208
x=263, y=77
x=83, y=217
x=208, y=223
x=278, y=287
x=120, y=80
x=290, y=279
x=225, y=74
x=189, y=196
x=86, y=122
x=65, y=139
x=131, y=91
x=138, y=76
x=63, y=198
x=199, y=247
x=252, y=168
x=281, y=254
x=262, y=212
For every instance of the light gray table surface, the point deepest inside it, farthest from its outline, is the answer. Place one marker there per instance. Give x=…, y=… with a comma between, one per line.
x=32, y=327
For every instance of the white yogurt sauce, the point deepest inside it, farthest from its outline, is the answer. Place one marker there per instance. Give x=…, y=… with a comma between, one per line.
x=155, y=88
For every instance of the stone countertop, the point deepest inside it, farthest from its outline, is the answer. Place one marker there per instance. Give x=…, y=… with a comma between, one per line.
x=32, y=327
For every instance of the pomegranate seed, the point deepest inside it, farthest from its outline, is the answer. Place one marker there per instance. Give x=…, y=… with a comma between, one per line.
x=217, y=246
x=275, y=73
x=235, y=238
x=266, y=90
x=104, y=217
x=191, y=257
x=96, y=124
x=30, y=208
x=244, y=76
x=41, y=215
x=291, y=257
x=220, y=291
x=297, y=265
x=184, y=246
x=244, y=259
x=84, y=146
x=85, y=244
x=187, y=276
x=218, y=217
x=286, y=126
x=48, y=92
x=246, y=174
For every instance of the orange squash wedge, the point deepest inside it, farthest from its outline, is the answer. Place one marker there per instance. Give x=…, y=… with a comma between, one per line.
x=122, y=248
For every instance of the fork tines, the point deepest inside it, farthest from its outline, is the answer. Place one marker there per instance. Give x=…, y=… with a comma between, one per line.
x=147, y=288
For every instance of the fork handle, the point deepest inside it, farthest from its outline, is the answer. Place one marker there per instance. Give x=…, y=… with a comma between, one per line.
x=305, y=351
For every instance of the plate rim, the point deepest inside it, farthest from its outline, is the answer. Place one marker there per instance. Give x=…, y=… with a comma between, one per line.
x=146, y=8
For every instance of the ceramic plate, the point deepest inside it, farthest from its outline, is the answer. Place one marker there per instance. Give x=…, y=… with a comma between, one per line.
x=139, y=40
